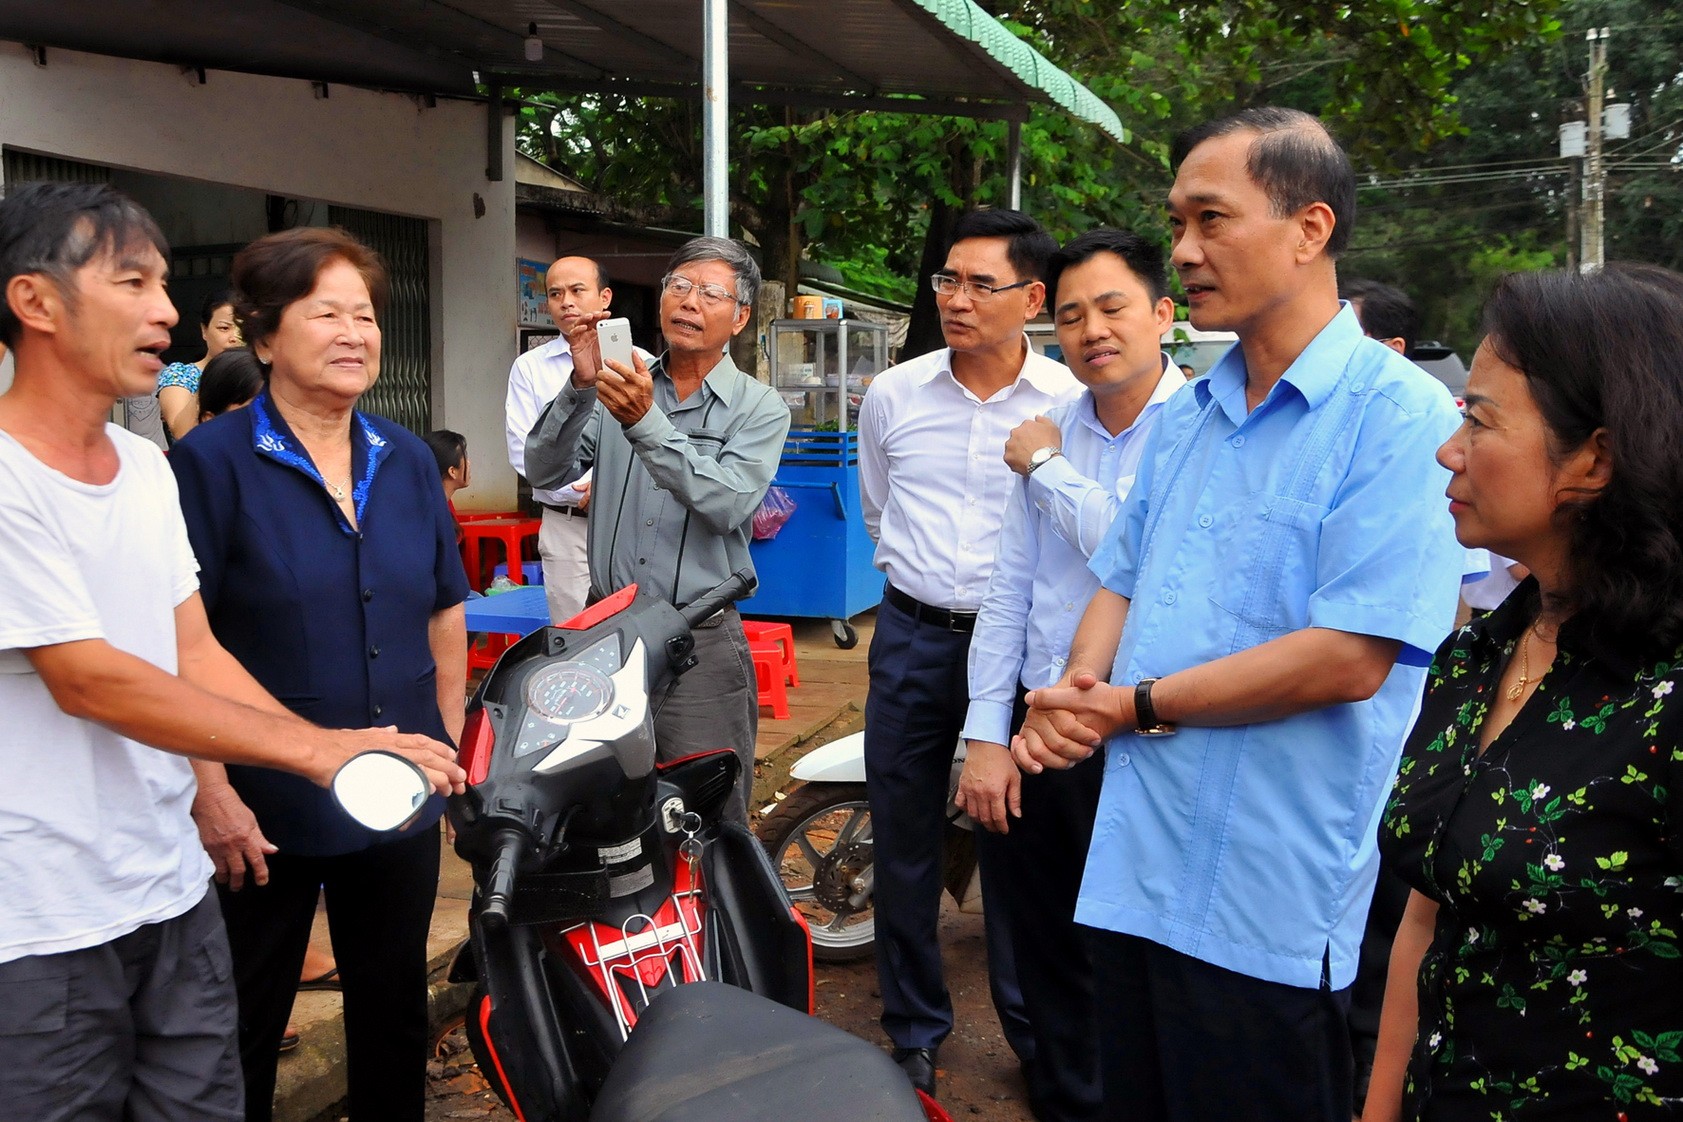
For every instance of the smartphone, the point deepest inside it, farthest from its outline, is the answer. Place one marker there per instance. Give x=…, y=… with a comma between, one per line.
x=614, y=336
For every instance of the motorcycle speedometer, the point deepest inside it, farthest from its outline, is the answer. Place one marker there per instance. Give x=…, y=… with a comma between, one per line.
x=569, y=693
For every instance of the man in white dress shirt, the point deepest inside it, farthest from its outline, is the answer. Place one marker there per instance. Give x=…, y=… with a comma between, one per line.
x=934, y=487
x=574, y=286
x=1108, y=290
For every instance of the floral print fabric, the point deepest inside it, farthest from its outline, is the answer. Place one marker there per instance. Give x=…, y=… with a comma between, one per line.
x=183, y=374
x=1553, y=987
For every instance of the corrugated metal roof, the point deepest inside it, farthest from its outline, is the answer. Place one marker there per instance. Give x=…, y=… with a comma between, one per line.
x=949, y=54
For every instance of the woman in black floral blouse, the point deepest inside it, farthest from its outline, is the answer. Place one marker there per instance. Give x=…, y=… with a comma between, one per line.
x=1538, y=973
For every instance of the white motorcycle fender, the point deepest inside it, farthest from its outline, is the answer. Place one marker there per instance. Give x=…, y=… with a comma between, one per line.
x=843, y=761
x=840, y=761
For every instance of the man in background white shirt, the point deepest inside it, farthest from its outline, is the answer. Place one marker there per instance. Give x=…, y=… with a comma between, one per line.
x=574, y=286
x=934, y=487
x=1109, y=293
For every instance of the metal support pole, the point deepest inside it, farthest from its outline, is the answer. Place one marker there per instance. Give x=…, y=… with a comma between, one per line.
x=1595, y=167
x=1014, y=162
x=715, y=121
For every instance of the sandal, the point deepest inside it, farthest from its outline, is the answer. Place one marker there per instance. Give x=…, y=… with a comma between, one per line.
x=326, y=981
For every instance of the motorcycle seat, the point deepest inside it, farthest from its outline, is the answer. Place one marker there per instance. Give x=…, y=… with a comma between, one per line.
x=712, y=1051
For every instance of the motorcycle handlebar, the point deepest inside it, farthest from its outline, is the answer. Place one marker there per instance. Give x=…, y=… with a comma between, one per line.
x=734, y=588
x=499, y=887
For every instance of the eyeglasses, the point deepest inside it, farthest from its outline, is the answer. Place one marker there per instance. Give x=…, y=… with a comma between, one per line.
x=947, y=285
x=711, y=294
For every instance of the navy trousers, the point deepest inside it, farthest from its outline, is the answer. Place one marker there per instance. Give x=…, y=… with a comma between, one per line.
x=379, y=909
x=913, y=715
x=1036, y=877
x=1181, y=1040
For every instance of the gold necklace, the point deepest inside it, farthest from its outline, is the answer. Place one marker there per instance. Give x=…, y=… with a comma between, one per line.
x=1514, y=691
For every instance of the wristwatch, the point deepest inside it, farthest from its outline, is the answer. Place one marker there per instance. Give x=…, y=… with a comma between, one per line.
x=1039, y=457
x=1145, y=715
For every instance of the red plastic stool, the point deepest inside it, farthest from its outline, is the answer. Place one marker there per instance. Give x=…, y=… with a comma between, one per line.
x=510, y=533
x=763, y=632
x=768, y=678
x=483, y=657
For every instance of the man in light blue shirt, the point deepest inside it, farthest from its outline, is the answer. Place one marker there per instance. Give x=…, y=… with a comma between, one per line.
x=1276, y=580
x=1108, y=290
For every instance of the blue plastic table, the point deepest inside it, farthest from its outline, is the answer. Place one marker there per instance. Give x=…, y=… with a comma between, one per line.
x=519, y=611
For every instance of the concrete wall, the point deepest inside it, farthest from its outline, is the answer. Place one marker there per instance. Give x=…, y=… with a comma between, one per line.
x=533, y=238
x=357, y=148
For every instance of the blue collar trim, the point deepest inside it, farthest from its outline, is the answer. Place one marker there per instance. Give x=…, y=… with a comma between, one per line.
x=271, y=437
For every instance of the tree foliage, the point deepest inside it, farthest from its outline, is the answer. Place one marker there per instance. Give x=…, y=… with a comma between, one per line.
x=1496, y=196
x=1407, y=84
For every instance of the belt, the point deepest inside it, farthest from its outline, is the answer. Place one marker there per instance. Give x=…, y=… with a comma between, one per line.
x=925, y=613
x=566, y=511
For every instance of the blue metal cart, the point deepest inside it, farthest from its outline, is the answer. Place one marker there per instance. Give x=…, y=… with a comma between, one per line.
x=819, y=564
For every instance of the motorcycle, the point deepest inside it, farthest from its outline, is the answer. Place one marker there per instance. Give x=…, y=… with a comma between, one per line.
x=819, y=840
x=612, y=899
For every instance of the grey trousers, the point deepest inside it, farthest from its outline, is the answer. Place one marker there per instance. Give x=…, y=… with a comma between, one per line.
x=141, y=1028
x=715, y=705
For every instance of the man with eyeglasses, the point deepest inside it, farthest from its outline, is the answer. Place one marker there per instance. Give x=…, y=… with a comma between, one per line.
x=682, y=449
x=575, y=286
x=934, y=486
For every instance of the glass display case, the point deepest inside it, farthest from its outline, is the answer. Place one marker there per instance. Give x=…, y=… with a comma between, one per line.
x=822, y=366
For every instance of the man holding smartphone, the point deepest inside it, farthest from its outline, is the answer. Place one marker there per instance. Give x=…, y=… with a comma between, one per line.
x=683, y=449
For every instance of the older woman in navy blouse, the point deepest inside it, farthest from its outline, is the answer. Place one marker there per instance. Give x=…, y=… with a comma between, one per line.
x=328, y=567
x=1538, y=813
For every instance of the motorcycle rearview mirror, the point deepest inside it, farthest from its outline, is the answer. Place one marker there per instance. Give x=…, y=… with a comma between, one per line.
x=381, y=790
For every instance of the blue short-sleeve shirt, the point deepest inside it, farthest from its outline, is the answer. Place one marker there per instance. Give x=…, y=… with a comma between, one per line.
x=1252, y=847
x=331, y=620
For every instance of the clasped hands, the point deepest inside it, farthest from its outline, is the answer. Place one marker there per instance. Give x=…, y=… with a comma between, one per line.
x=1066, y=724
x=626, y=392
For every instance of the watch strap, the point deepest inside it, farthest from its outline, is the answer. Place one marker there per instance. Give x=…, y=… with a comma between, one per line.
x=1145, y=714
x=1038, y=461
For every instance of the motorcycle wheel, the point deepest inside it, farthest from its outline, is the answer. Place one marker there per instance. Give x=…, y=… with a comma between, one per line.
x=819, y=839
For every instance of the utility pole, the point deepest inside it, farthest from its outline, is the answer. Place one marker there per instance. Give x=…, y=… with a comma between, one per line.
x=1595, y=168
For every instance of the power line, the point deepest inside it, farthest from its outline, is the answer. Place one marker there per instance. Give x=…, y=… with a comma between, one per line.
x=1473, y=166
x=1534, y=172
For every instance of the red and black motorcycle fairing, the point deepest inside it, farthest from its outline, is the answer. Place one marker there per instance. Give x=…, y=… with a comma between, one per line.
x=602, y=879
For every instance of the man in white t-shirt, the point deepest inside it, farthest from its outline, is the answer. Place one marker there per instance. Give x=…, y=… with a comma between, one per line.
x=119, y=1001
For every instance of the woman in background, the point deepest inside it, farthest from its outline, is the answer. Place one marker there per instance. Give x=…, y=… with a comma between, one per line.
x=178, y=384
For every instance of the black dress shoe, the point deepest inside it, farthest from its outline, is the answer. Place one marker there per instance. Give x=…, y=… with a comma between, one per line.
x=919, y=1066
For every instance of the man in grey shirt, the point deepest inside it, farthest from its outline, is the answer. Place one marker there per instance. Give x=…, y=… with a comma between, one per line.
x=683, y=452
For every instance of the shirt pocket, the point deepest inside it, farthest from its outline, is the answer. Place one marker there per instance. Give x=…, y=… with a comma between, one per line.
x=1273, y=547
x=709, y=442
